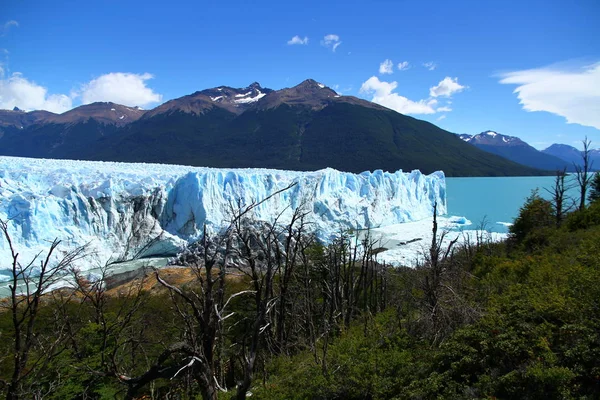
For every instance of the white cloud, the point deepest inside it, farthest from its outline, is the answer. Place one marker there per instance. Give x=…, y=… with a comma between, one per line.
x=571, y=93
x=7, y=25
x=122, y=88
x=383, y=93
x=404, y=65
x=386, y=67
x=298, y=40
x=447, y=87
x=430, y=65
x=441, y=117
x=17, y=91
x=331, y=41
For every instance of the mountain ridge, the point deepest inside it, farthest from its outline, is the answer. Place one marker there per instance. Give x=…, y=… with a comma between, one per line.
x=306, y=127
x=572, y=155
x=515, y=149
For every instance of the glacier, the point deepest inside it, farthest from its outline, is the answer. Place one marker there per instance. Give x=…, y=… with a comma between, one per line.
x=122, y=211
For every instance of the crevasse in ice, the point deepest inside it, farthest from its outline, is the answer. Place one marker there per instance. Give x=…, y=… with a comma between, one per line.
x=124, y=210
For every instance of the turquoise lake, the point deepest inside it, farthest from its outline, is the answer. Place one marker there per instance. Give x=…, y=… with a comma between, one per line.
x=496, y=199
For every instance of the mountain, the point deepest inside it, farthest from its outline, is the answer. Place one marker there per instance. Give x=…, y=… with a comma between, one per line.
x=230, y=99
x=516, y=150
x=103, y=112
x=20, y=119
x=305, y=127
x=68, y=135
x=572, y=155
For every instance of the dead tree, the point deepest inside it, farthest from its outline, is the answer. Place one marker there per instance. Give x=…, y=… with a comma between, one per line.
x=288, y=255
x=206, y=308
x=558, y=193
x=440, y=300
x=258, y=252
x=24, y=306
x=204, y=314
x=583, y=172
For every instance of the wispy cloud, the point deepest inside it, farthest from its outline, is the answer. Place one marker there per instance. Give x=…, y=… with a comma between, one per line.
x=339, y=90
x=385, y=94
x=430, y=65
x=447, y=87
x=441, y=117
x=403, y=66
x=6, y=27
x=331, y=41
x=386, y=67
x=298, y=40
x=571, y=92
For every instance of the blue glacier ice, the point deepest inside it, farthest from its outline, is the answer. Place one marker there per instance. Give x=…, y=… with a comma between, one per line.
x=124, y=210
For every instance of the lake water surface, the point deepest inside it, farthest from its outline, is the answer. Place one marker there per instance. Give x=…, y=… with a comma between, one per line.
x=496, y=199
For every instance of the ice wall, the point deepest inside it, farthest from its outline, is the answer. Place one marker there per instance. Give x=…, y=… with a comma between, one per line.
x=121, y=210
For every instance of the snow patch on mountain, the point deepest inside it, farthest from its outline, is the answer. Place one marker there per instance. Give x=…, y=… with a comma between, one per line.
x=259, y=96
x=124, y=210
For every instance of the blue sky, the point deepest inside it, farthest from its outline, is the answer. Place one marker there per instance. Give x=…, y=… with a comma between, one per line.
x=58, y=55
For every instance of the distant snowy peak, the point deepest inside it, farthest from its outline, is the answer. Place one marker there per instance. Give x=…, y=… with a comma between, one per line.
x=492, y=138
x=516, y=150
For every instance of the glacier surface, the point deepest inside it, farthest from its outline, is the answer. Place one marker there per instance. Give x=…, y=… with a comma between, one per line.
x=125, y=210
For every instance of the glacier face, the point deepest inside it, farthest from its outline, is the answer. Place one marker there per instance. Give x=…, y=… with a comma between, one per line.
x=123, y=210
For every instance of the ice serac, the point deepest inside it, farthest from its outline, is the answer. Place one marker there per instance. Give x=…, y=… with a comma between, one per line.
x=125, y=210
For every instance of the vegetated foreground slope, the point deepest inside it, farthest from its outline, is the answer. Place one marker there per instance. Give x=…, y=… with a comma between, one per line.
x=306, y=127
x=512, y=320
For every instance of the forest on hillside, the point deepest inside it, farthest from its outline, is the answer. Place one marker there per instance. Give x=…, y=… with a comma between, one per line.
x=267, y=310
